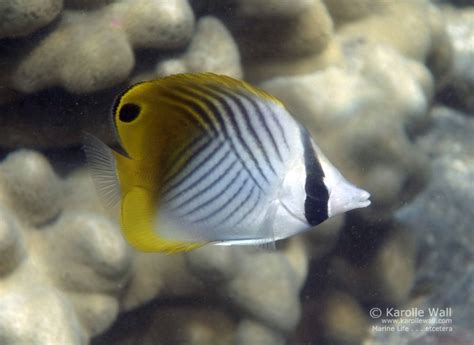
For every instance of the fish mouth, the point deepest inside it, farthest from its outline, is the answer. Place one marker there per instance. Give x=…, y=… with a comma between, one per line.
x=345, y=197
x=363, y=198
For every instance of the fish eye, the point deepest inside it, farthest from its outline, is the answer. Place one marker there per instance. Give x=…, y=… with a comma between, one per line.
x=129, y=112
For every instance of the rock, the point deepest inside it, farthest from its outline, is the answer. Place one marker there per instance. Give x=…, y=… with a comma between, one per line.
x=212, y=49
x=102, y=41
x=57, y=258
x=20, y=18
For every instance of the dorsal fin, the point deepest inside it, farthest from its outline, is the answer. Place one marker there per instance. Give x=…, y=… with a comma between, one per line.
x=204, y=78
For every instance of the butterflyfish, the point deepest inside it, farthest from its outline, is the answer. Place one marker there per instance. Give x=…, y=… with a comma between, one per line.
x=203, y=158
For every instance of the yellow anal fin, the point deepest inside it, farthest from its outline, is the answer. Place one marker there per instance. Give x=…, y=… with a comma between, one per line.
x=137, y=225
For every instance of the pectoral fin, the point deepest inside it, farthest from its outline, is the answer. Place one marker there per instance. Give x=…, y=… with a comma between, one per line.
x=138, y=218
x=101, y=164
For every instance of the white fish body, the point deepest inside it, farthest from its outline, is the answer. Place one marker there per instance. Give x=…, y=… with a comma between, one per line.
x=244, y=172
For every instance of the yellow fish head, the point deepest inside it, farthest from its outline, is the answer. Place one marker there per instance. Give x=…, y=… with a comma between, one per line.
x=135, y=120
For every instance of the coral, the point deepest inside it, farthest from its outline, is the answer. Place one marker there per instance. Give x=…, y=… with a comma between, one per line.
x=86, y=3
x=175, y=324
x=418, y=36
x=353, y=110
x=52, y=124
x=297, y=33
x=303, y=43
x=97, y=45
x=459, y=84
x=255, y=291
x=311, y=34
x=251, y=332
x=388, y=273
x=361, y=75
x=261, y=288
x=445, y=257
x=62, y=265
x=341, y=318
x=60, y=252
x=272, y=8
x=93, y=50
x=22, y=17
x=211, y=49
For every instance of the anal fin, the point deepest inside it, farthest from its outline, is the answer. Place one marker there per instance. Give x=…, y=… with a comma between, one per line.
x=138, y=225
x=267, y=229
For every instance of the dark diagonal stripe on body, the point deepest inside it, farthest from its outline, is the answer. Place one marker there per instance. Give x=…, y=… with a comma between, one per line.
x=193, y=117
x=249, y=125
x=215, y=196
x=192, y=150
x=210, y=104
x=224, y=204
x=274, y=116
x=224, y=103
x=195, y=107
x=209, y=185
x=180, y=181
x=263, y=121
x=252, y=208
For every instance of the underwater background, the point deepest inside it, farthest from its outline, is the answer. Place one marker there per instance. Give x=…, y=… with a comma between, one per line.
x=385, y=86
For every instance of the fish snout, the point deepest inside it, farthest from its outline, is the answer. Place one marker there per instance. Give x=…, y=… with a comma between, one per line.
x=345, y=196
